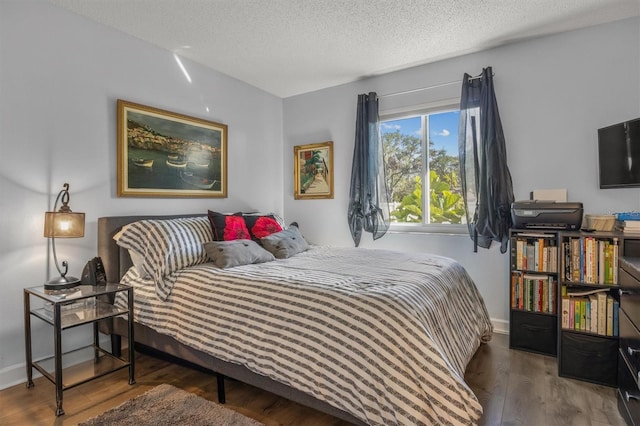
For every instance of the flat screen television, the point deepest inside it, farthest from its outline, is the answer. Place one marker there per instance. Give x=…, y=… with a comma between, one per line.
x=619, y=155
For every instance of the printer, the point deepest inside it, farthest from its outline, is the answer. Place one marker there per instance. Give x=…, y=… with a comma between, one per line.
x=536, y=214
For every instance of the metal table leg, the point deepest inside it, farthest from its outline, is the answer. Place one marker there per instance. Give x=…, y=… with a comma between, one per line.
x=27, y=338
x=58, y=357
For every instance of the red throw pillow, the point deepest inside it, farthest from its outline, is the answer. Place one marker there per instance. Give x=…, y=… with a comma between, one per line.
x=227, y=227
x=261, y=226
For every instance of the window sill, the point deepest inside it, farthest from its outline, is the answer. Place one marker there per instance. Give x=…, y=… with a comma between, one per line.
x=457, y=230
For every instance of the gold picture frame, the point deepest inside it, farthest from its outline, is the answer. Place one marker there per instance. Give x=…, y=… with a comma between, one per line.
x=166, y=154
x=313, y=171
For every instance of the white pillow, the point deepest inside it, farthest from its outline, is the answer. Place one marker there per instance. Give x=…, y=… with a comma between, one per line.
x=165, y=246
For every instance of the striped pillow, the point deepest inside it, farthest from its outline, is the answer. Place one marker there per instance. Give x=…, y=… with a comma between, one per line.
x=167, y=246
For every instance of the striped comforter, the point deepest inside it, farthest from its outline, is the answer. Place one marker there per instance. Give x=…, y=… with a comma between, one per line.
x=383, y=335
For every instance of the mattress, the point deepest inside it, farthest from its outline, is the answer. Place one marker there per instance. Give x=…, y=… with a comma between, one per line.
x=383, y=335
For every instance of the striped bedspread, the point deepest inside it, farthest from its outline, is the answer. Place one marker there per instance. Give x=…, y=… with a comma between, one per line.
x=383, y=335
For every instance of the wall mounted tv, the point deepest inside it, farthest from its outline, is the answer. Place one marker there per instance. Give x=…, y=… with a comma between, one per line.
x=619, y=155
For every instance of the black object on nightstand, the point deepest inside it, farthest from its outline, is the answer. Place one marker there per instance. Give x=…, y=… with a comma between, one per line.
x=65, y=309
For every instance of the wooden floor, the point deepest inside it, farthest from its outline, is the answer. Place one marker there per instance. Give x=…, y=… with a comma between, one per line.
x=514, y=387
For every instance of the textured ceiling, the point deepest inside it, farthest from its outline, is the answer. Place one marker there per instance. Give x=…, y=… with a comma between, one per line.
x=288, y=47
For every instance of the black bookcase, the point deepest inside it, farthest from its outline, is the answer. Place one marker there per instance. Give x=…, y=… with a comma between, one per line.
x=589, y=305
x=533, y=313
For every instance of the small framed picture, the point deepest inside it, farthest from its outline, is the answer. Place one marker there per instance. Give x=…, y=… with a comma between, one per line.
x=166, y=154
x=313, y=171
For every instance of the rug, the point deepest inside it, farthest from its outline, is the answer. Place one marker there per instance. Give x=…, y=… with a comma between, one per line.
x=168, y=405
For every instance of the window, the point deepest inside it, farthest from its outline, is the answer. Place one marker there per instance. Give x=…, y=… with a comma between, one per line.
x=421, y=157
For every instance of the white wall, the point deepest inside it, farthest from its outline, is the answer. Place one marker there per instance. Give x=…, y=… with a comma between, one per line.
x=60, y=76
x=553, y=94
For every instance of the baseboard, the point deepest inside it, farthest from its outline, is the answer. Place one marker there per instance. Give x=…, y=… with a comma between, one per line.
x=17, y=373
x=500, y=326
x=14, y=375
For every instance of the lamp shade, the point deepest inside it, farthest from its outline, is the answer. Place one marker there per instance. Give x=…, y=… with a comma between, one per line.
x=63, y=225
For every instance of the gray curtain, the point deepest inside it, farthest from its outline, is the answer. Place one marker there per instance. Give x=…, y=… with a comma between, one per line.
x=486, y=181
x=368, y=207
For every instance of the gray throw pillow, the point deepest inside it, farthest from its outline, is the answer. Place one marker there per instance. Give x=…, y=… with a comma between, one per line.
x=285, y=243
x=227, y=254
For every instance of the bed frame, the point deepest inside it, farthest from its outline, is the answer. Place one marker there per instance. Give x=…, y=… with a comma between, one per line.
x=117, y=262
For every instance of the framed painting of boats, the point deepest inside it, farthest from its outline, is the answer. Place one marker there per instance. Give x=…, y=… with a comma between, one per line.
x=166, y=154
x=313, y=171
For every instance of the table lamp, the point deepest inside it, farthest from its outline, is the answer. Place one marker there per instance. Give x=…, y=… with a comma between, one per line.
x=62, y=223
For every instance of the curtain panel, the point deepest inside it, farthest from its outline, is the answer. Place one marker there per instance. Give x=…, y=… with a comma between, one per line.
x=486, y=180
x=368, y=204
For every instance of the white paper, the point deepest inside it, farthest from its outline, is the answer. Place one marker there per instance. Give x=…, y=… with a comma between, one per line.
x=558, y=195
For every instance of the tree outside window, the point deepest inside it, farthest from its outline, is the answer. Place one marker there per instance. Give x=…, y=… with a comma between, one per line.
x=421, y=156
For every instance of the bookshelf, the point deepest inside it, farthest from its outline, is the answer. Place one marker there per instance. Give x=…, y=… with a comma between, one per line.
x=588, y=285
x=533, y=313
x=605, y=264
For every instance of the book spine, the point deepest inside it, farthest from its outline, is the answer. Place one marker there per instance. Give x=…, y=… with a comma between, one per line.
x=519, y=254
x=520, y=292
x=593, y=303
x=616, y=316
x=615, y=261
x=600, y=262
x=602, y=313
x=587, y=322
x=566, y=312
x=575, y=259
x=609, y=316
x=582, y=260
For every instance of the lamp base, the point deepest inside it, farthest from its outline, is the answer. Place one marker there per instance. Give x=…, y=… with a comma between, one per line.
x=61, y=283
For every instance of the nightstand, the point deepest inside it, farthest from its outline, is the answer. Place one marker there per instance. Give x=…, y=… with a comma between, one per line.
x=65, y=309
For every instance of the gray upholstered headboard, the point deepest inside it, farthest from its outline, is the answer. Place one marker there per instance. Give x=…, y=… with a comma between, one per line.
x=116, y=260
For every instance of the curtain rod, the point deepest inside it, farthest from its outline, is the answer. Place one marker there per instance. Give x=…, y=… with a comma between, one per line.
x=435, y=86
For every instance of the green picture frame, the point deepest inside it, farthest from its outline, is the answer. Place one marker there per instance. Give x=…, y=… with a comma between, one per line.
x=313, y=171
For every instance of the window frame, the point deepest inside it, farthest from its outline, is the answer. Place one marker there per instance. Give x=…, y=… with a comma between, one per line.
x=422, y=110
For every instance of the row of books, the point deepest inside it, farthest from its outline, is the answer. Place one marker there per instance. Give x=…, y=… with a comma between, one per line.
x=594, y=313
x=535, y=254
x=536, y=293
x=590, y=260
x=628, y=226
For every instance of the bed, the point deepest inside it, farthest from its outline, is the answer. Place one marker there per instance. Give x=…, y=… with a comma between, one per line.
x=369, y=336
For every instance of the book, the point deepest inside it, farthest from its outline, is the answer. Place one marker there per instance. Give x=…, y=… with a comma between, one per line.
x=630, y=224
x=566, y=301
x=575, y=260
x=553, y=291
x=614, y=260
x=609, y=331
x=588, y=314
x=616, y=313
x=519, y=254
x=48, y=307
x=572, y=315
x=530, y=259
x=601, y=247
x=602, y=313
x=593, y=304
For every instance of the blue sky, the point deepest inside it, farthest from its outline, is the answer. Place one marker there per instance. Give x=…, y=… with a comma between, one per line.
x=443, y=129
